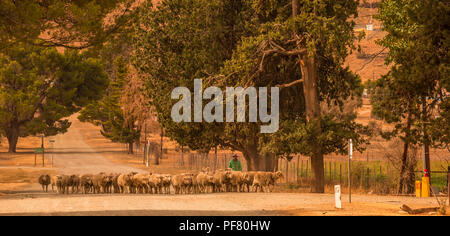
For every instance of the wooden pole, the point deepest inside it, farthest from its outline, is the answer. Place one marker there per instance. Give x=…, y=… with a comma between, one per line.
x=162, y=135
x=329, y=165
x=147, y=152
x=215, y=158
x=350, y=152
x=287, y=171
x=448, y=184
x=307, y=167
x=182, y=156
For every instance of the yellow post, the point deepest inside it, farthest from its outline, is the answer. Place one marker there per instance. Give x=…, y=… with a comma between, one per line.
x=418, y=188
x=425, y=186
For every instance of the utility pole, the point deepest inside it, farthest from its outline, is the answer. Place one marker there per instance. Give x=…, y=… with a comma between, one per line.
x=350, y=154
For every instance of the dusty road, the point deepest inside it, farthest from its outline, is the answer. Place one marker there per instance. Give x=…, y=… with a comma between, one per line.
x=204, y=204
x=74, y=156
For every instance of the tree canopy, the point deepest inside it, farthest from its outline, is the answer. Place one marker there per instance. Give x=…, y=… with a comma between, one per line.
x=40, y=86
x=414, y=94
x=70, y=24
x=262, y=44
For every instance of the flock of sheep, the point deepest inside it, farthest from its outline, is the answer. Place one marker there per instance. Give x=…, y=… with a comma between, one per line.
x=202, y=182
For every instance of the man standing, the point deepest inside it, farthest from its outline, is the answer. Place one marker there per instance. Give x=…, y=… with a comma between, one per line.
x=235, y=164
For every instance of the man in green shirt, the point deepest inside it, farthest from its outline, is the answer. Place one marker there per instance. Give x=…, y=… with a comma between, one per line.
x=235, y=164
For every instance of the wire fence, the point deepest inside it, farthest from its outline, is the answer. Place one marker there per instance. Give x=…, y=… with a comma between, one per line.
x=369, y=173
x=376, y=176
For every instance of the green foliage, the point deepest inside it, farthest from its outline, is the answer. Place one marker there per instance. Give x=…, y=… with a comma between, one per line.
x=39, y=87
x=70, y=24
x=108, y=112
x=223, y=42
x=415, y=88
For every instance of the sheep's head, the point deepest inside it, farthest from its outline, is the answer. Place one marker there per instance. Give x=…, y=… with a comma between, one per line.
x=277, y=175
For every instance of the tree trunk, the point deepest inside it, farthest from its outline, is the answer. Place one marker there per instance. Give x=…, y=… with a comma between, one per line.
x=130, y=148
x=404, y=160
x=270, y=163
x=253, y=159
x=403, y=168
x=294, y=8
x=410, y=180
x=12, y=134
x=313, y=114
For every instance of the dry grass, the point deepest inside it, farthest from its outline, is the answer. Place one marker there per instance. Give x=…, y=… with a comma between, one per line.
x=20, y=178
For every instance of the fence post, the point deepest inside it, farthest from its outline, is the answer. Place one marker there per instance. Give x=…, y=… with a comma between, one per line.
x=340, y=173
x=368, y=178
x=215, y=158
x=307, y=166
x=329, y=165
x=361, y=183
x=334, y=170
x=287, y=171
x=448, y=184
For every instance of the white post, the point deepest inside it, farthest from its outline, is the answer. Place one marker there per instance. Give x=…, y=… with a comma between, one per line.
x=337, y=196
x=52, y=141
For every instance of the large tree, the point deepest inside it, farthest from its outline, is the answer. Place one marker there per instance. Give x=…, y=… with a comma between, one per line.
x=298, y=46
x=413, y=95
x=40, y=86
x=109, y=113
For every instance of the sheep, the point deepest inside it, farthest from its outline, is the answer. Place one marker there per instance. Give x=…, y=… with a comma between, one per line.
x=236, y=181
x=140, y=183
x=177, y=182
x=221, y=180
x=187, y=184
x=86, y=183
x=99, y=182
x=155, y=183
x=274, y=177
x=202, y=182
x=57, y=181
x=248, y=180
x=44, y=181
x=125, y=181
x=115, y=184
x=261, y=180
x=74, y=183
x=66, y=184
x=166, y=181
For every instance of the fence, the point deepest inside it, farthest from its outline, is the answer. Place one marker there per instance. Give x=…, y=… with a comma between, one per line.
x=376, y=176
x=368, y=173
x=213, y=162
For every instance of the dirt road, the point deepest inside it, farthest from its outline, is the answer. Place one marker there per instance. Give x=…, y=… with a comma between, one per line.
x=204, y=204
x=73, y=156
